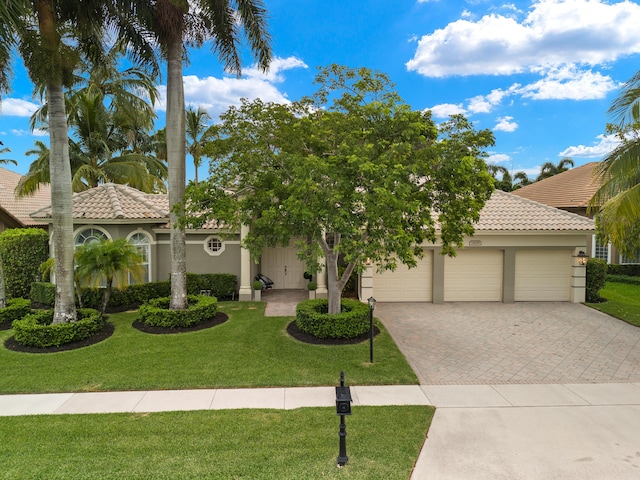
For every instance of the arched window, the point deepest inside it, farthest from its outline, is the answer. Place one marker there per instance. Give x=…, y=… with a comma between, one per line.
x=143, y=245
x=89, y=235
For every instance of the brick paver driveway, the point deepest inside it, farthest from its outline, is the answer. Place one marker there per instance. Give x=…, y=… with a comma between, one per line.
x=494, y=343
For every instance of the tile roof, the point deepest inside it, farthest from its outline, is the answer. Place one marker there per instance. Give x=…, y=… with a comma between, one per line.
x=21, y=208
x=508, y=212
x=114, y=202
x=570, y=189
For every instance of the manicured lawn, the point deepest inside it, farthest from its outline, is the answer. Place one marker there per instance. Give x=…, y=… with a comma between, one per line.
x=249, y=350
x=382, y=443
x=623, y=302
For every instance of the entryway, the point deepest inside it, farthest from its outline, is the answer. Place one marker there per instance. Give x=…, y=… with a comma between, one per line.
x=282, y=265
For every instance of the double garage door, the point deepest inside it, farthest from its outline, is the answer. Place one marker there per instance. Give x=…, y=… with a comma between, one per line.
x=477, y=275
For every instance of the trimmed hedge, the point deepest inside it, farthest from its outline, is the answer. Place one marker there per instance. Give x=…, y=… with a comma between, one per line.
x=156, y=313
x=22, y=250
x=627, y=270
x=623, y=279
x=221, y=285
x=596, y=278
x=352, y=321
x=36, y=330
x=16, y=309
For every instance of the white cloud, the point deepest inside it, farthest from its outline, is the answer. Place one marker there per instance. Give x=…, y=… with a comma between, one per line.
x=506, y=124
x=17, y=108
x=605, y=145
x=216, y=95
x=552, y=33
x=36, y=133
x=498, y=158
x=445, y=109
x=569, y=83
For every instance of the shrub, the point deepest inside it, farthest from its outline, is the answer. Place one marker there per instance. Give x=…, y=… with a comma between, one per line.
x=16, y=309
x=156, y=313
x=352, y=321
x=628, y=270
x=623, y=279
x=36, y=330
x=43, y=294
x=596, y=278
x=221, y=285
x=312, y=285
x=22, y=250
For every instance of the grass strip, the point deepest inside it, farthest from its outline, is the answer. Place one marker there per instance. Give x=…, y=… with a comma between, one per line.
x=382, y=443
x=623, y=302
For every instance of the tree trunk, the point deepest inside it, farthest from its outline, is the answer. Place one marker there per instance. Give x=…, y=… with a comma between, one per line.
x=3, y=289
x=176, y=157
x=334, y=287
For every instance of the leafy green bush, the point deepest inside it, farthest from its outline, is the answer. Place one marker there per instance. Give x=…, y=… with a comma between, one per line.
x=352, y=321
x=16, y=308
x=623, y=279
x=36, y=330
x=156, y=313
x=43, y=294
x=221, y=285
x=22, y=250
x=627, y=270
x=596, y=278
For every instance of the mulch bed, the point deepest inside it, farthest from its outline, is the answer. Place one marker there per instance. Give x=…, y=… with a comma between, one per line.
x=294, y=331
x=105, y=333
x=217, y=320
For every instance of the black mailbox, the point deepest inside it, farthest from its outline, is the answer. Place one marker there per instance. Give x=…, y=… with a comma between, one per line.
x=343, y=400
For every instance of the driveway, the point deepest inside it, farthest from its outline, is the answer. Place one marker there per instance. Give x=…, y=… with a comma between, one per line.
x=519, y=343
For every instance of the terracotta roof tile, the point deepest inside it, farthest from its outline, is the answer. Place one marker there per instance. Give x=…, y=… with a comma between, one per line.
x=111, y=202
x=21, y=208
x=507, y=212
x=570, y=189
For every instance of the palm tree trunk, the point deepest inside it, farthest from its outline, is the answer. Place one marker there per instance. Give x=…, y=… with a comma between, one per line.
x=176, y=157
x=3, y=290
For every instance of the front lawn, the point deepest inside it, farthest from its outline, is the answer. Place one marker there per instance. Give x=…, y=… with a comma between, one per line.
x=623, y=302
x=382, y=443
x=249, y=350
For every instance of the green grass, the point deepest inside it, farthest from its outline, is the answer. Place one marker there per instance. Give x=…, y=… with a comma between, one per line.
x=249, y=350
x=623, y=302
x=382, y=443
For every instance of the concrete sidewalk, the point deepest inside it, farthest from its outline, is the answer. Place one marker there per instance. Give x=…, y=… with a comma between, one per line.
x=571, y=431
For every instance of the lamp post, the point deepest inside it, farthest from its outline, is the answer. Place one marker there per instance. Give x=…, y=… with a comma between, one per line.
x=372, y=307
x=582, y=259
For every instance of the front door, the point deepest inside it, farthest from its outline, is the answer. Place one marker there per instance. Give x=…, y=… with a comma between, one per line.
x=282, y=265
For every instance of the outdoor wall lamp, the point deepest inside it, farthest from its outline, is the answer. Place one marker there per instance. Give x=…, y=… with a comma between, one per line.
x=372, y=307
x=582, y=258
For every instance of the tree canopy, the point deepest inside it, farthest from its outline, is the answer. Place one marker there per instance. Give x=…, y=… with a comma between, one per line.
x=351, y=172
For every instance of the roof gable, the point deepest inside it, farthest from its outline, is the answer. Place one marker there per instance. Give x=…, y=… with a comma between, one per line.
x=572, y=188
x=20, y=208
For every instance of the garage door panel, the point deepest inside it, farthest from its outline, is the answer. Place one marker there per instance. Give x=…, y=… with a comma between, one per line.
x=474, y=276
x=405, y=284
x=543, y=275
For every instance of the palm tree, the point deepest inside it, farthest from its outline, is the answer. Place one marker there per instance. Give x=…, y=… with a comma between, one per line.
x=198, y=135
x=550, y=169
x=521, y=179
x=174, y=23
x=5, y=161
x=505, y=182
x=107, y=261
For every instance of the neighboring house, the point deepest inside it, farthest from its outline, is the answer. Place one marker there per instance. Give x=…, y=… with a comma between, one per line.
x=14, y=213
x=522, y=251
x=572, y=191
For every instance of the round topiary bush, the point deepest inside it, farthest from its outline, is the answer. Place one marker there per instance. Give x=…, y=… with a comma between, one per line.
x=16, y=309
x=156, y=312
x=352, y=321
x=36, y=330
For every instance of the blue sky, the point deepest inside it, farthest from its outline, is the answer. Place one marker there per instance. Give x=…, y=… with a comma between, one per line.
x=540, y=74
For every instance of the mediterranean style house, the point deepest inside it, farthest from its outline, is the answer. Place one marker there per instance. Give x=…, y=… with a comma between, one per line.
x=522, y=250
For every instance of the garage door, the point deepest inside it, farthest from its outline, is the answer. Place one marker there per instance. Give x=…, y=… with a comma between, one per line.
x=543, y=275
x=473, y=276
x=405, y=284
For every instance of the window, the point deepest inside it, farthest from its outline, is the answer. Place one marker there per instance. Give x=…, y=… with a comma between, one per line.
x=213, y=245
x=601, y=250
x=90, y=235
x=630, y=259
x=143, y=246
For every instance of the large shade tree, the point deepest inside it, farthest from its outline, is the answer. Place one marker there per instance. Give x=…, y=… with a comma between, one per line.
x=617, y=201
x=352, y=173
x=180, y=23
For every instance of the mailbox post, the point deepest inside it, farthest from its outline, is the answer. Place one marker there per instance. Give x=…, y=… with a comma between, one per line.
x=343, y=407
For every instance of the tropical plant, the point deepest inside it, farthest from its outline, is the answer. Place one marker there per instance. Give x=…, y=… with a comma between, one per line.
x=521, y=179
x=198, y=135
x=5, y=161
x=502, y=177
x=549, y=169
x=106, y=261
x=174, y=24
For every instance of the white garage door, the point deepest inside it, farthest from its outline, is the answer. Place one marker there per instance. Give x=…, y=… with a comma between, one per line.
x=405, y=284
x=543, y=275
x=473, y=276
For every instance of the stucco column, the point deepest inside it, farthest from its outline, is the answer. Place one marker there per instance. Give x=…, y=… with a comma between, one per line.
x=245, y=268
x=366, y=283
x=578, y=277
x=321, y=279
